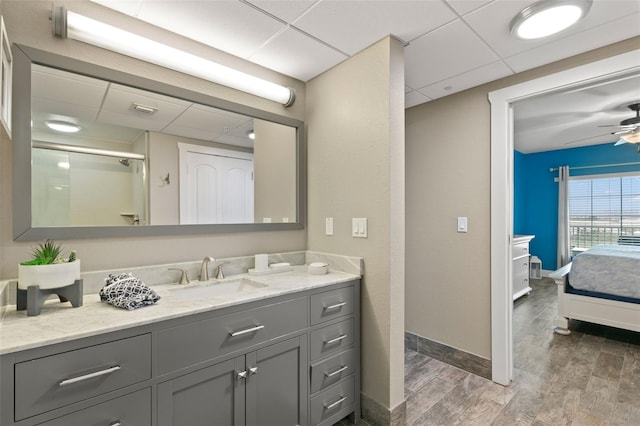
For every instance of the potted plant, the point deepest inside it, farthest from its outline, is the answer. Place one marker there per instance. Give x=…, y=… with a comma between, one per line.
x=48, y=268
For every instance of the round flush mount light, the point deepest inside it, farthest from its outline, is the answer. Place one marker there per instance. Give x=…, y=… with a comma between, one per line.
x=62, y=126
x=548, y=17
x=251, y=135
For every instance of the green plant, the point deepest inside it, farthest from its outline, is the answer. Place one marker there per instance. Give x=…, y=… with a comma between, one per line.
x=47, y=253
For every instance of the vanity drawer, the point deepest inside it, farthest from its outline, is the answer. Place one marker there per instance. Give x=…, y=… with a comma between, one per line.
x=51, y=382
x=332, y=401
x=189, y=344
x=132, y=409
x=330, y=371
x=331, y=304
x=331, y=339
x=520, y=250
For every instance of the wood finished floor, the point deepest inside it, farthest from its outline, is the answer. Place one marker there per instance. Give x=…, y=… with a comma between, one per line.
x=591, y=377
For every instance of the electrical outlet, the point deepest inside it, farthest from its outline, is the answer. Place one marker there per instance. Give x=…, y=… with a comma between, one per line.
x=328, y=226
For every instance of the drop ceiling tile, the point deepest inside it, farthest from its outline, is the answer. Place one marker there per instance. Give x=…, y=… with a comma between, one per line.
x=287, y=10
x=450, y=50
x=204, y=123
x=491, y=23
x=414, y=98
x=128, y=7
x=467, y=80
x=465, y=6
x=118, y=109
x=231, y=26
x=64, y=87
x=294, y=54
x=574, y=44
x=351, y=26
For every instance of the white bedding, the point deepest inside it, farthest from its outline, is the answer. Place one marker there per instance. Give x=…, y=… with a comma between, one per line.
x=610, y=269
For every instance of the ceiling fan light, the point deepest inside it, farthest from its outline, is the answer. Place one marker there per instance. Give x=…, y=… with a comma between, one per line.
x=633, y=137
x=548, y=17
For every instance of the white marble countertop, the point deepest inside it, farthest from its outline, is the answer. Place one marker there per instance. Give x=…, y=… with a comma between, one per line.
x=59, y=322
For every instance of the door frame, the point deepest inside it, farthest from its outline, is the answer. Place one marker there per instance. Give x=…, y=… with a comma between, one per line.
x=502, y=189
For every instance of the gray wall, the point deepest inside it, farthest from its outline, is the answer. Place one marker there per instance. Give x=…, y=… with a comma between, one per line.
x=448, y=285
x=28, y=23
x=355, y=115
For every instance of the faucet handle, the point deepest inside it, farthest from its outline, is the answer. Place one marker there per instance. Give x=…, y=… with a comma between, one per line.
x=184, y=276
x=220, y=274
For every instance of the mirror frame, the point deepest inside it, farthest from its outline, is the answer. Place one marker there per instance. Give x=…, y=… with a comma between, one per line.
x=24, y=57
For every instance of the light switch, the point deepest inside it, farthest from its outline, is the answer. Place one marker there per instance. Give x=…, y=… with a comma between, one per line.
x=462, y=224
x=328, y=226
x=359, y=227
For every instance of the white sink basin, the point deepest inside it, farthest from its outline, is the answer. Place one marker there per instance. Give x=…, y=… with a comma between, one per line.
x=217, y=289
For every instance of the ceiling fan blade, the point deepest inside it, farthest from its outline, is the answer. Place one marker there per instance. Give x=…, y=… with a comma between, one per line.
x=622, y=132
x=620, y=142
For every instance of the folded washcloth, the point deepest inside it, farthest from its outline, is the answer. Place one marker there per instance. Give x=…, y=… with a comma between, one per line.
x=127, y=292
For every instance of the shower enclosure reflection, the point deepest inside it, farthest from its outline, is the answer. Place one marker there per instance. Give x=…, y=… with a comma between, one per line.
x=79, y=189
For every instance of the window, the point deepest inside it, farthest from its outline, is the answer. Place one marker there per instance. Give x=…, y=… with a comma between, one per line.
x=604, y=210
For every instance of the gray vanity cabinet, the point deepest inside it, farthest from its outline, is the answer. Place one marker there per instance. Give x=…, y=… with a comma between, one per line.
x=287, y=360
x=261, y=388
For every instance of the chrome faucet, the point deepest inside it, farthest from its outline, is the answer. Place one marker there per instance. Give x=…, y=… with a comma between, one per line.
x=204, y=268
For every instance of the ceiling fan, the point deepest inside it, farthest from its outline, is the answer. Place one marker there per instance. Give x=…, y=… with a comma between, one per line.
x=629, y=129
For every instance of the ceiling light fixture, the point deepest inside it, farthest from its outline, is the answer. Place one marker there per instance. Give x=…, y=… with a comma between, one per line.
x=547, y=17
x=633, y=137
x=62, y=126
x=72, y=25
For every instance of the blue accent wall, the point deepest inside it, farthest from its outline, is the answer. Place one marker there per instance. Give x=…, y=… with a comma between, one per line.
x=535, y=209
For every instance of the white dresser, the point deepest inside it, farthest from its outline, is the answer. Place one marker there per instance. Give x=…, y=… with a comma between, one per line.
x=520, y=256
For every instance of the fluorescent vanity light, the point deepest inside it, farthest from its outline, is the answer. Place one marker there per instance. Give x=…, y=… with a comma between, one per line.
x=72, y=25
x=62, y=126
x=548, y=17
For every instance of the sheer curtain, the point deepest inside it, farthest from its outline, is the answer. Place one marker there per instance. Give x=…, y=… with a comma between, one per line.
x=563, y=217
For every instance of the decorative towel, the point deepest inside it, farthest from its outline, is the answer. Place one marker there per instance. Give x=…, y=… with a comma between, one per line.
x=127, y=292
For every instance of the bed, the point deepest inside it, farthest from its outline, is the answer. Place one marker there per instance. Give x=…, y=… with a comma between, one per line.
x=601, y=285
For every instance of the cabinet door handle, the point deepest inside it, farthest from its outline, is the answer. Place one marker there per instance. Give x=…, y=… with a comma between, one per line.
x=253, y=370
x=116, y=423
x=246, y=330
x=335, y=404
x=338, y=371
x=89, y=376
x=335, y=339
x=336, y=306
x=242, y=375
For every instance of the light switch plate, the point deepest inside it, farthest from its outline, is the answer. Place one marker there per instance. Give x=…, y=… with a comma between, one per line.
x=328, y=226
x=359, y=227
x=462, y=224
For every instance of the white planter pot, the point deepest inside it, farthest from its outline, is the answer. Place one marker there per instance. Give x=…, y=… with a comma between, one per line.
x=48, y=276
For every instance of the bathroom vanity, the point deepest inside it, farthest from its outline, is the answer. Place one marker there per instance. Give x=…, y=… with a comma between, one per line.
x=283, y=353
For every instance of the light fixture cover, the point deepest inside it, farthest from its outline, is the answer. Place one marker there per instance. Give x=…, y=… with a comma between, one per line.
x=547, y=17
x=72, y=25
x=633, y=137
x=62, y=126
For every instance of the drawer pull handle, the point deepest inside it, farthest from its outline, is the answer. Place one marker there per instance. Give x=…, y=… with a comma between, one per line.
x=246, y=330
x=335, y=404
x=116, y=423
x=338, y=371
x=89, y=376
x=242, y=375
x=253, y=370
x=335, y=339
x=336, y=306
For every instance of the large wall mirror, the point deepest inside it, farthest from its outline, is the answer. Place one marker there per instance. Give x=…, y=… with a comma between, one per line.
x=101, y=153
